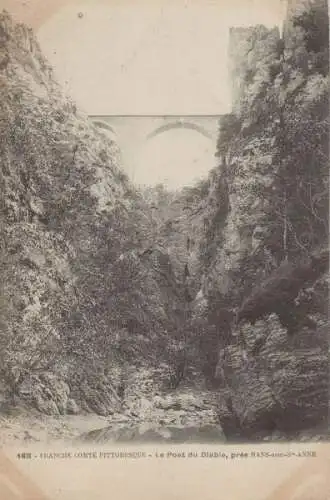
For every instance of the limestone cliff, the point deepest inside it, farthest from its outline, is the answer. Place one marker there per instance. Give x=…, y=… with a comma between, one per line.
x=80, y=295
x=273, y=153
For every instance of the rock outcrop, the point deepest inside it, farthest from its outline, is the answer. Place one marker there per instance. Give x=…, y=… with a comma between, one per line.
x=272, y=233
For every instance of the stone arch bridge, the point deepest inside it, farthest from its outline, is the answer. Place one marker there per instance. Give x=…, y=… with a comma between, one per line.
x=144, y=128
x=132, y=133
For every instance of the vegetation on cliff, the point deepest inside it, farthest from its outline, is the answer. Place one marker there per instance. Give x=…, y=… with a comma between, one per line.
x=85, y=292
x=273, y=261
x=224, y=282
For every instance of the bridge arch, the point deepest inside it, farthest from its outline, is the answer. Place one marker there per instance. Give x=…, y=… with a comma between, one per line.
x=183, y=124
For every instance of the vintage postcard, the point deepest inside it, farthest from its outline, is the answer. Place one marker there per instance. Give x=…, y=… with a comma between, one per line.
x=164, y=249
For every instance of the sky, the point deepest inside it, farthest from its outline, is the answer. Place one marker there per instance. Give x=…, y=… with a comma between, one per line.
x=148, y=58
x=176, y=158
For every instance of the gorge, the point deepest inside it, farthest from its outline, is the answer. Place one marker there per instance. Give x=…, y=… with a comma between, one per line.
x=200, y=314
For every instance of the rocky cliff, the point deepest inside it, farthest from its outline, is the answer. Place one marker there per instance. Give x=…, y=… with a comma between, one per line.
x=273, y=154
x=84, y=291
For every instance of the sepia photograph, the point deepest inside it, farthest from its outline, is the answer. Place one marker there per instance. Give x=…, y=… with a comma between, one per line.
x=164, y=223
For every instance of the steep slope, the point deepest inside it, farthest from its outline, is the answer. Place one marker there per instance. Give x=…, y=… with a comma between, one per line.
x=273, y=152
x=189, y=227
x=81, y=299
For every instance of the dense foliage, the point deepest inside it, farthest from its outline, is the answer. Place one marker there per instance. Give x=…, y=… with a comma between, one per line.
x=87, y=290
x=99, y=279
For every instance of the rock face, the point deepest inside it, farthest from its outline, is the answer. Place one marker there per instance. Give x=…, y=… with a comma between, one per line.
x=273, y=155
x=80, y=296
x=46, y=393
x=277, y=293
x=59, y=178
x=282, y=389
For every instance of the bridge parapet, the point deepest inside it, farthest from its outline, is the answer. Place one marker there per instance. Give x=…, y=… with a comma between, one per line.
x=143, y=128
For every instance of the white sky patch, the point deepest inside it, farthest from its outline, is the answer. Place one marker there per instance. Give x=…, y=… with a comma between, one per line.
x=149, y=58
x=175, y=158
